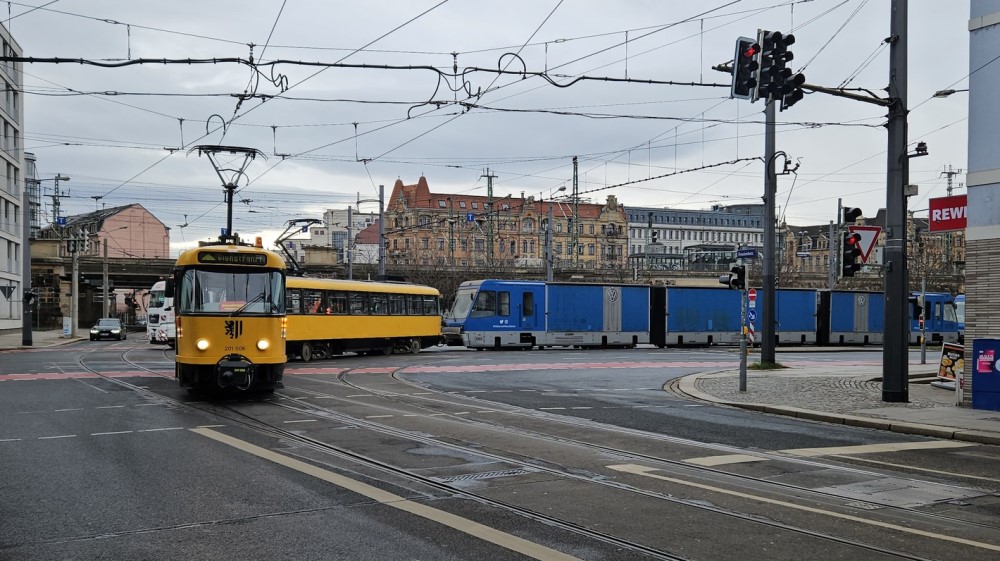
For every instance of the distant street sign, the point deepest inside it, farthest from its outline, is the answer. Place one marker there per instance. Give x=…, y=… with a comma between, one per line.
x=752, y=294
x=60, y=221
x=802, y=253
x=470, y=217
x=746, y=253
x=751, y=315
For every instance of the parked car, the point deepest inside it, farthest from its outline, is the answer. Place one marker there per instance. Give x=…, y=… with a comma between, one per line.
x=108, y=327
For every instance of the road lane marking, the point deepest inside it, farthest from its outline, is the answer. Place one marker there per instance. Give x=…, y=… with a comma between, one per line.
x=111, y=407
x=60, y=436
x=874, y=448
x=109, y=433
x=831, y=451
x=210, y=426
x=551, y=408
x=361, y=395
x=709, y=461
x=301, y=421
x=163, y=429
x=475, y=529
x=72, y=409
x=379, y=416
x=10, y=439
x=648, y=472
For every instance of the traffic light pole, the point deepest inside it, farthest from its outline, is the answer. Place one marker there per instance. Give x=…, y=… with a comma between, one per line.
x=743, y=337
x=770, y=225
x=895, y=359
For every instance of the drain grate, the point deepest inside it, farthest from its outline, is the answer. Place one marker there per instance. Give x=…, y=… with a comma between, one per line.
x=483, y=475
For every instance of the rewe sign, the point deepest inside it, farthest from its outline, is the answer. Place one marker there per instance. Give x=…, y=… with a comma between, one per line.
x=948, y=213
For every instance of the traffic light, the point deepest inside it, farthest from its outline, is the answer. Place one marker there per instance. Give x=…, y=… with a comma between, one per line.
x=736, y=279
x=745, y=65
x=655, y=236
x=29, y=297
x=740, y=280
x=851, y=252
x=791, y=90
x=851, y=214
x=775, y=80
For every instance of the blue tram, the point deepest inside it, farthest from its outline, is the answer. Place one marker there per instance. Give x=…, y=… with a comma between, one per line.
x=525, y=314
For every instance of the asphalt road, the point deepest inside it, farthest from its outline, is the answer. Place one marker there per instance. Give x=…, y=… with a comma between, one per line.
x=455, y=454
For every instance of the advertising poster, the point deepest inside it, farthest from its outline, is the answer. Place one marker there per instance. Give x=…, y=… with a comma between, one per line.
x=952, y=361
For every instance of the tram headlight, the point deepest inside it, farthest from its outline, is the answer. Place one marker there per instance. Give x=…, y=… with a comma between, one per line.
x=263, y=344
x=202, y=344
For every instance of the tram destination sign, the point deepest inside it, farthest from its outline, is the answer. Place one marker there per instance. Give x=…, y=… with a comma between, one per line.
x=226, y=258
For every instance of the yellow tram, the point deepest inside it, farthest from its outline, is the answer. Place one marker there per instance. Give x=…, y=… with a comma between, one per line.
x=330, y=316
x=230, y=317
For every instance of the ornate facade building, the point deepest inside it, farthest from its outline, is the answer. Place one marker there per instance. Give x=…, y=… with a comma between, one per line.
x=459, y=230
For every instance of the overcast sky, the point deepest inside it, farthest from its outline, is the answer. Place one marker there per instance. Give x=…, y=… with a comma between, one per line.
x=343, y=131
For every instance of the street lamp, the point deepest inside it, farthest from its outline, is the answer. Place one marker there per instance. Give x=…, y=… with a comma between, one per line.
x=946, y=93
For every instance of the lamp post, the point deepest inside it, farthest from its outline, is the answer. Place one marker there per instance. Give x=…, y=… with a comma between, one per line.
x=946, y=93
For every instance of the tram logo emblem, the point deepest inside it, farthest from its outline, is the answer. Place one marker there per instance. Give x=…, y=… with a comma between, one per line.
x=234, y=328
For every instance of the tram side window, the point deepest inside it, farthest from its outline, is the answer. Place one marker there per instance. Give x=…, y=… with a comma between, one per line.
x=397, y=304
x=293, y=301
x=358, y=303
x=378, y=304
x=528, y=303
x=312, y=302
x=485, y=306
x=504, y=303
x=414, y=305
x=431, y=306
x=337, y=302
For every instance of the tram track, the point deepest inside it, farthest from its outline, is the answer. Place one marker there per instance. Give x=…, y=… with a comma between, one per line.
x=235, y=416
x=306, y=408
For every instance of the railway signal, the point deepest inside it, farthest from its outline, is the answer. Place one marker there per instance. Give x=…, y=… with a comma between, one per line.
x=851, y=252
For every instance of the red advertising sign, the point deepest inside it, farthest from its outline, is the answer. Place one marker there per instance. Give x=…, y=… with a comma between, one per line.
x=948, y=213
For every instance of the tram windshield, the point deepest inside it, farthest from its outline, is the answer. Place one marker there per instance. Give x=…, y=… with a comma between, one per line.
x=463, y=303
x=223, y=291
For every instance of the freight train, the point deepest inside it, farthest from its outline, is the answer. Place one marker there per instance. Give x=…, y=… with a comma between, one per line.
x=526, y=314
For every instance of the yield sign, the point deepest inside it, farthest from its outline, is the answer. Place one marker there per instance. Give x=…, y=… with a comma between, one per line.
x=869, y=235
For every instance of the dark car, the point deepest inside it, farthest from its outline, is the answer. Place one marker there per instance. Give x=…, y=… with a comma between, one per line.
x=108, y=327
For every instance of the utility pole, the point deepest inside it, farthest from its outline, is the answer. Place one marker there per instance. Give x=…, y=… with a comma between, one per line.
x=576, y=215
x=489, y=217
x=26, y=300
x=895, y=359
x=770, y=224
x=74, y=304
x=948, y=240
x=832, y=259
x=451, y=232
x=104, y=282
x=350, y=243
x=381, y=232
x=549, y=257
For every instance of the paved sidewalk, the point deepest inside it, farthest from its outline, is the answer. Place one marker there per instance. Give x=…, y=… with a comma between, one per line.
x=847, y=394
x=10, y=340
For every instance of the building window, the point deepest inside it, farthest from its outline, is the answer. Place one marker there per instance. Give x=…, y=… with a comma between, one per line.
x=441, y=204
x=440, y=244
x=475, y=204
x=461, y=204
